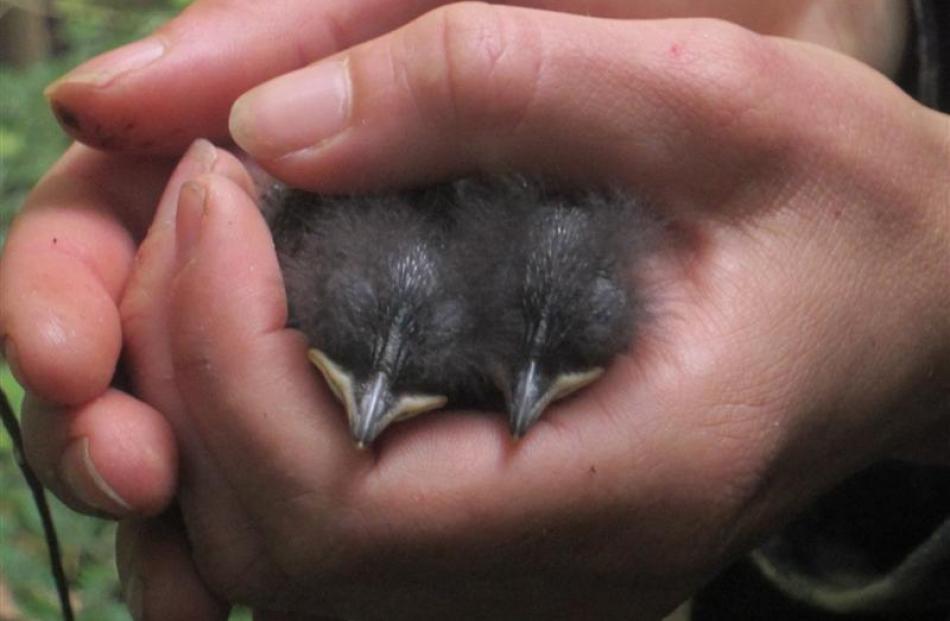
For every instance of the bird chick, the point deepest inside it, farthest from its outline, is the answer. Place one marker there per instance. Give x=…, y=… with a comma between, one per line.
x=483, y=292
x=566, y=301
x=370, y=282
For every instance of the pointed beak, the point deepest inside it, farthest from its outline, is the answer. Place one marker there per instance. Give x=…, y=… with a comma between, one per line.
x=535, y=390
x=378, y=407
x=371, y=405
x=528, y=401
x=367, y=404
x=373, y=401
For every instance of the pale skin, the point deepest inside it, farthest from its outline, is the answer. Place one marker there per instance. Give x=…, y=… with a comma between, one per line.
x=801, y=305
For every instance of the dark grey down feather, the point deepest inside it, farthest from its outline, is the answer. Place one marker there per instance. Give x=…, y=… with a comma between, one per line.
x=485, y=291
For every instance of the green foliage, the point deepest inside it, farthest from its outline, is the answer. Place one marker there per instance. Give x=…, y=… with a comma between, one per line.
x=30, y=139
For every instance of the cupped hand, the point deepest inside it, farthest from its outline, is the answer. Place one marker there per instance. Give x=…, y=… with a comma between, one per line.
x=67, y=260
x=68, y=257
x=800, y=327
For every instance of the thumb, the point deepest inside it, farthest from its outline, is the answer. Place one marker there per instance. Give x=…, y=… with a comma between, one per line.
x=481, y=87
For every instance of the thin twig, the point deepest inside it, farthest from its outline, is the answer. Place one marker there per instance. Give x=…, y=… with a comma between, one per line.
x=39, y=497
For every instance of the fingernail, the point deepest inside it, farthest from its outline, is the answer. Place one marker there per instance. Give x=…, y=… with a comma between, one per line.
x=188, y=221
x=78, y=472
x=300, y=110
x=200, y=158
x=203, y=153
x=134, y=597
x=103, y=69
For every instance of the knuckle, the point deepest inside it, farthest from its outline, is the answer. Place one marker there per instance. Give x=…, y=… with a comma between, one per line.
x=472, y=66
x=732, y=64
x=733, y=78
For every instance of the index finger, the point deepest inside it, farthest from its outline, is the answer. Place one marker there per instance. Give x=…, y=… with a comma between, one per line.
x=110, y=101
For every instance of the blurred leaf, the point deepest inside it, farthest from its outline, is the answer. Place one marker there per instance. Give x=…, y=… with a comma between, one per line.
x=11, y=143
x=240, y=614
x=15, y=394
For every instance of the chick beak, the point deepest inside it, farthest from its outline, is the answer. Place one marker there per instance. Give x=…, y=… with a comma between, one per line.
x=535, y=390
x=379, y=407
x=527, y=400
x=366, y=403
x=372, y=412
x=371, y=405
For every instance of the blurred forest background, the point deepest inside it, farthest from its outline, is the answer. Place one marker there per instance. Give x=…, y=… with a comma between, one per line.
x=39, y=41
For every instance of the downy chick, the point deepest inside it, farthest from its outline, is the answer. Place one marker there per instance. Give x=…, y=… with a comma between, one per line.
x=370, y=282
x=563, y=295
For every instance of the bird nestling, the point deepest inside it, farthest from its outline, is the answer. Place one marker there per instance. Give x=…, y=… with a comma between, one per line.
x=370, y=283
x=562, y=300
x=478, y=292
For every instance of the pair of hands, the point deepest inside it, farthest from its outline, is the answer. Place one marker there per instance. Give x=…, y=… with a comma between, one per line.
x=801, y=328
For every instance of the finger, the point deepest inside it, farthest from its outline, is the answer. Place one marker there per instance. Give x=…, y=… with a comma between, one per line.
x=473, y=86
x=113, y=455
x=144, y=305
x=158, y=576
x=66, y=260
x=480, y=87
x=235, y=361
x=146, y=311
x=111, y=102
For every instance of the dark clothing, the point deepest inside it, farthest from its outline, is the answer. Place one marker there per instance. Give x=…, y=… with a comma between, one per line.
x=930, y=57
x=854, y=538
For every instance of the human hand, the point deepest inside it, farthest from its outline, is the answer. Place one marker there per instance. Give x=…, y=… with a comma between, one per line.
x=801, y=303
x=68, y=257
x=80, y=370
x=63, y=337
